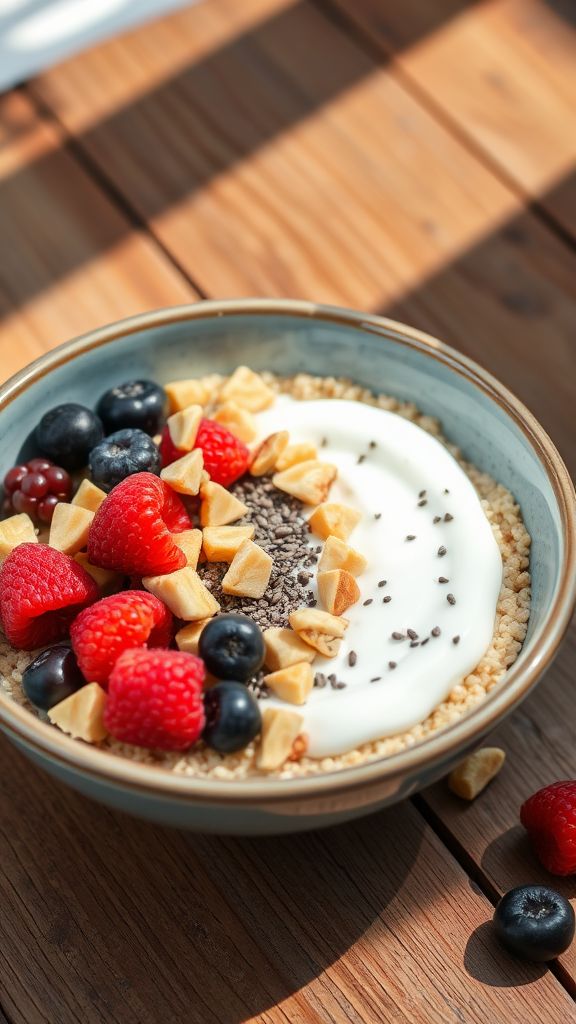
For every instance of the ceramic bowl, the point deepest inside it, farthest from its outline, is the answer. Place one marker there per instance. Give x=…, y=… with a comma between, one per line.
x=491, y=426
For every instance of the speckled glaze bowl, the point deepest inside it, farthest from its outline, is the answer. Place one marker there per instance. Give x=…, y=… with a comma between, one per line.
x=491, y=426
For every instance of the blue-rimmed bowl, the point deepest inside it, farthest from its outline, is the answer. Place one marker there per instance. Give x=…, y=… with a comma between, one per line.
x=494, y=430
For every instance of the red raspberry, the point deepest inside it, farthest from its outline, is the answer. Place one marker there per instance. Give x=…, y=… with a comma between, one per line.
x=155, y=699
x=102, y=632
x=130, y=532
x=41, y=591
x=225, y=457
x=549, y=816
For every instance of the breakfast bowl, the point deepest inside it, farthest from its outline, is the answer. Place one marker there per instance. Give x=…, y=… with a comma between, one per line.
x=494, y=432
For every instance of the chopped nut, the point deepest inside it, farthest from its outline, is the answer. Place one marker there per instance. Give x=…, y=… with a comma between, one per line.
x=183, y=427
x=220, y=543
x=334, y=520
x=190, y=542
x=299, y=747
x=337, y=590
x=69, y=528
x=82, y=714
x=309, y=481
x=196, y=391
x=187, y=639
x=248, y=390
x=237, y=420
x=266, y=455
x=319, y=629
x=184, y=594
x=89, y=496
x=249, y=572
x=474, y=774
x=284, y=647
x=279, y=730
x=337, y=555
x=294, y=453
x=218, y=506
x=185, y=475
x=14, y=531
x=105, y=578
x=292, y=684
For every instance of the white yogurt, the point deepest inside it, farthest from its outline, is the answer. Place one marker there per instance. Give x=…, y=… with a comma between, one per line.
x=405, y=462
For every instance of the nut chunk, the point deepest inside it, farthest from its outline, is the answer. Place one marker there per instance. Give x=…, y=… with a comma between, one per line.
x=218, y=506
x=333, y=519
x=82, y=714
x=474, y=774
x=279, y=730
x=319, y=629
x=195, y=391
x=220, y=543
x=249, y=571
x=303, y=452
x=89, y=496
x=190, y=542
x=238, y=421
x=284, y=647
x=308, y=481
x=14, y=531
x=187, y=639
x=185, y=475
x=248, y=390
x=337, y=555
x=184, y=594
x=69, y=528
x=292, y=684
x=183, y=427
x=266, y=455
x=338, y=590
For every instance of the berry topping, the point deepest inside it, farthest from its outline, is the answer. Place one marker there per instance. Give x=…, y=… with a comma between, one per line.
x=131, y=531
x=41, y=592
x=225, y=457
x=549, y=816
x=122, y=454
x=534, y=922
x=68, y=433
x=155, y=699
x=52, y=676
x=126, y=620
x=233, y=717
x=232, y=647
x=36, y=488
x=138, y=404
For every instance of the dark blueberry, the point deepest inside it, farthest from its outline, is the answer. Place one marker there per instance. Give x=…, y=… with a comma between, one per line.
x=120, y=455
x=52, y=677
x=67, y=434
x=233, y=717
x=534, y=922
x=138, y=403
x=232, y=647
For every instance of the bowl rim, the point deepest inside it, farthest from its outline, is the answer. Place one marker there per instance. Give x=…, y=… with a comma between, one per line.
x=148, y=779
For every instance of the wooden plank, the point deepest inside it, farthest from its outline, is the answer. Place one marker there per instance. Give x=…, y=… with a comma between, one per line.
x=70, y=259
x=106, y=919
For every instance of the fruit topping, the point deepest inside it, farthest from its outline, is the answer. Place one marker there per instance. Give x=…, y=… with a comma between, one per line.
x=331, y=519
x=69, y=528
x=226, y=457
x=89, y=496
x=249, y=572
x=36, y=487
x=238, y=421
x=105, y=578
x=549, y=816
x=68, y=433
x=292, y=684
x=218, y=506
x=279, y=730
x=248, y=390
x=534, y=922
x=338, y=590
x=265, y=458
x=232, y=647
x=284, y=647
x=121, y=455
x=184, y=594
x=82, y=714
x=14, y=531
x=474, y=774
x=155, y=699
x=220, y=543
x=309, y=481
x=138, y=404
x=233, y=717
x=185, y=474
x=319, y=629
x=337, y=555
x=52, y=676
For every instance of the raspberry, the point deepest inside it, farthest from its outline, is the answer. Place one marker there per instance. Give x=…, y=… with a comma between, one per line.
x=549, y=816
x=155, y=699
x=130, y=532
x=41, y=591
x=102, y=632
x=225, y=457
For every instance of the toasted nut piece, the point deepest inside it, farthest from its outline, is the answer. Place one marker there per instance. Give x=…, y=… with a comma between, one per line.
x=69, y=528
x=319, y=629
x=219, y=507
x=185, y=475
x=338, y=590
x=237, y=420
x=279, y=730
x=248, y=390
x=284, y=647
x=89, y=496
x=183, y=426
x=266, y=455
x=187, y=639
x=337, y=555
x=292, y=684
x=195, y=391
x=105, y=578
x=299, y=747
x=14, y=531
x=249, y=572
x=220, y=543
x=190, y=542
x=308, y=481
x=334, y=520
x=82, y=714
x=303, y=452
x=474, y=774
x=184, y=594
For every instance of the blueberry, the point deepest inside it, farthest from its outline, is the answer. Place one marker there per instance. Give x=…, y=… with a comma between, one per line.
x=120, y=455
x=232, y=647
x=52, y=677
x=67, y=433
x=233, y=717
x=534, y=922
x=138, y=403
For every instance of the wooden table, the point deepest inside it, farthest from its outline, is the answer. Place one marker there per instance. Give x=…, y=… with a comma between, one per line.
x=417, y=159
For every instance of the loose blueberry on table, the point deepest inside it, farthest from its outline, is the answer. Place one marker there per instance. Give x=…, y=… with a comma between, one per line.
x=535, y=922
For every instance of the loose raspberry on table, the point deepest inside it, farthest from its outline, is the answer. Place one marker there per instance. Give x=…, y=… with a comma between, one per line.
x=549, y=816
x=100, y=634
x=226, y=458
x=155, y=699
x=131, y=531
x=41, y=592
